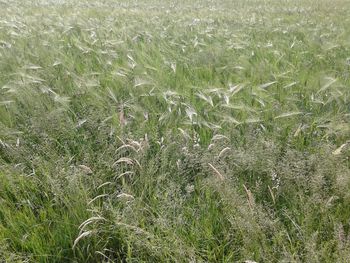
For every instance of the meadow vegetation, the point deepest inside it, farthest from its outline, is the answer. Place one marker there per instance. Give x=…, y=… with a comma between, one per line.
x=174, y=131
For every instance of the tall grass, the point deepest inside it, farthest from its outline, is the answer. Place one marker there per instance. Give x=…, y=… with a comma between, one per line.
x=186, y=131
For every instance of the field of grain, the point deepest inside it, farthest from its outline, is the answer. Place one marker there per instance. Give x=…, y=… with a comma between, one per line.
x=174, y=131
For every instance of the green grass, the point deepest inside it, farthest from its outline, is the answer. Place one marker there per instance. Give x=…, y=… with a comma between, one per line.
x=175, y=131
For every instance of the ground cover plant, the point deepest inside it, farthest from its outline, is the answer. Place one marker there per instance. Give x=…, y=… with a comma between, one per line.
x=174, y=131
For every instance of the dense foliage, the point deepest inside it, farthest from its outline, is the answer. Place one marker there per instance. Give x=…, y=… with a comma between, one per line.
x=174, y=131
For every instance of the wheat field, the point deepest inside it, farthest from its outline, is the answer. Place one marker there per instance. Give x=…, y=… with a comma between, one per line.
x=174, y=131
